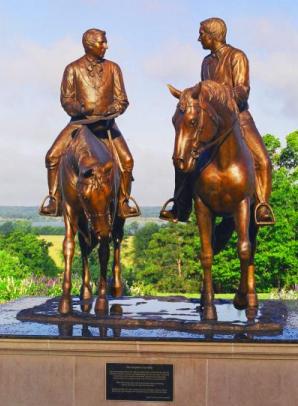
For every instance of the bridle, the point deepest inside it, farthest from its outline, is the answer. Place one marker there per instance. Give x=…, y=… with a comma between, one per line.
x=94, y=183
x=216, y=141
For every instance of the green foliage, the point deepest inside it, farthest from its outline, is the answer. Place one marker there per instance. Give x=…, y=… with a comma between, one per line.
x=13, y=287
x=289, y=155
x=31, y=253
x=166, y=258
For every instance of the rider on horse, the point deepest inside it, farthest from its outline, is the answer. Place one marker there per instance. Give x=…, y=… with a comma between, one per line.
x=92, y=93
x=229, y=66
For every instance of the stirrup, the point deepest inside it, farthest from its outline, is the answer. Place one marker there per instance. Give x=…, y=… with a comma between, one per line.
x=138, y=211
x=172, y=200
x=264, y=223
x=56, y=214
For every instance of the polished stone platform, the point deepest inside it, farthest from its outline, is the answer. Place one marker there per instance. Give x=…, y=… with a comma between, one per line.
x=50, y=360
x=150, y=318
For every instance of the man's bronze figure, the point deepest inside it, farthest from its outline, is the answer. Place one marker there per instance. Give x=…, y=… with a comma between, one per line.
x=228, y=66
x=92, y=93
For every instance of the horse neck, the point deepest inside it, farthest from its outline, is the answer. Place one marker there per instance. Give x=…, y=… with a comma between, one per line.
x=231, y=149
x=90, y=151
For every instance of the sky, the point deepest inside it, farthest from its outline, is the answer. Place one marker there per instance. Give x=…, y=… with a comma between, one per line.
x=155, y=43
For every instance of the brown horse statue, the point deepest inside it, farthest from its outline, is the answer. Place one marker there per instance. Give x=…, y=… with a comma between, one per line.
x=89, y=181
x=210, y=147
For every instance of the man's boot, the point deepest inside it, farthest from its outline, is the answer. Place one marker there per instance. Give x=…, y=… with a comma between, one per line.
x=53, y=208
x=182, y=199
x=124, y=210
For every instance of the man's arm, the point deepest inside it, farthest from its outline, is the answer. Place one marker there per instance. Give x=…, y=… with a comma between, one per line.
x=68, y=93
x=120, y=101
x=241, y=87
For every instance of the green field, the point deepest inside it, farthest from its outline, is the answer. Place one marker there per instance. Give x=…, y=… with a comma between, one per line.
x=55, y=250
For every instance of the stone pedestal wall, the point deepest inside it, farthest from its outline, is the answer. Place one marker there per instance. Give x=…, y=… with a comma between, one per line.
x=72, y=372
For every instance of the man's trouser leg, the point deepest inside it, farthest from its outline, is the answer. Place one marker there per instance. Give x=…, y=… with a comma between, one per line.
x=263, y=165
x=182, y=199
x=52, y=164
x=126, y=163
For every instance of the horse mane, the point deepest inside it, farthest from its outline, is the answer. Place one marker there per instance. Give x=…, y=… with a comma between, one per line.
x=218, y=95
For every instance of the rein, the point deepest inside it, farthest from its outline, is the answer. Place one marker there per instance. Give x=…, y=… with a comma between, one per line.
x=217, y=141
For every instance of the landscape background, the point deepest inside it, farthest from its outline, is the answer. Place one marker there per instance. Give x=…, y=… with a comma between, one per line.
x=155, y=43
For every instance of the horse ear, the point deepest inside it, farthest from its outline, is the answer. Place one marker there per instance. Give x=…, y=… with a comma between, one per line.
x=87, y=172
x=196, y=91
x=175, y=92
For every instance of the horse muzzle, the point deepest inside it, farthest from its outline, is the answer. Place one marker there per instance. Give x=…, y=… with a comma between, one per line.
x=184, y=165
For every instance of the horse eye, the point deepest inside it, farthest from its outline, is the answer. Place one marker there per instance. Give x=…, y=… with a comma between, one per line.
x=193, y=122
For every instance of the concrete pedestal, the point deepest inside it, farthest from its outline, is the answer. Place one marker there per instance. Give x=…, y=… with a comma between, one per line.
x=72, y=372
x=45, y=364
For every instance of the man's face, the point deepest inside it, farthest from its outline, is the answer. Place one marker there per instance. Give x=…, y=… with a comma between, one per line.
x=205, y=38
x=98, y=46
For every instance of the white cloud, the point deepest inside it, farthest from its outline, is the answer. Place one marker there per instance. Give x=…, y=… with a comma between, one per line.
x=175, y=61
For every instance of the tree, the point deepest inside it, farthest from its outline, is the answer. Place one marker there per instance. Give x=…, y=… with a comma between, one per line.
x=30, y=251
x=289, y=155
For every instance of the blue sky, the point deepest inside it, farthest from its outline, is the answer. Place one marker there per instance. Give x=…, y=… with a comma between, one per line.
x=155, y=43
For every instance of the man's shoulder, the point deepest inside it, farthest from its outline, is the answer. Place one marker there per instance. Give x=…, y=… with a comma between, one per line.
x=235, y=51
x=77, y=63
x=111, y=64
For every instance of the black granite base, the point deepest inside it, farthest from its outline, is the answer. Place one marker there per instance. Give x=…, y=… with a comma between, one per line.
x=150, y=318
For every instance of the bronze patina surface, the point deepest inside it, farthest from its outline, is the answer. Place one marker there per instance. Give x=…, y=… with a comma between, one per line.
x=90, y=167
x=221, y=163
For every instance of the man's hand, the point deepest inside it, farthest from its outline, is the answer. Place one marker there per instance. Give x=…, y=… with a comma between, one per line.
x=111, y=110
x=86, y=112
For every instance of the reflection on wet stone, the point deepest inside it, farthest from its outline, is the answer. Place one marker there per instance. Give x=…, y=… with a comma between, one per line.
x=151, y=318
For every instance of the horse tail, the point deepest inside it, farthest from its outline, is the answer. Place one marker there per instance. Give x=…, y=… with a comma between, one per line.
x=222, y=234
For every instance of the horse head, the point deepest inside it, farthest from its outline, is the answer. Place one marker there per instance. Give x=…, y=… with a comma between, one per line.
x=95, y=191
x=196, y=123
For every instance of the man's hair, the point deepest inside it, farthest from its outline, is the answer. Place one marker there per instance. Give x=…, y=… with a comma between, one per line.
x=89, y=36
x=216, y=27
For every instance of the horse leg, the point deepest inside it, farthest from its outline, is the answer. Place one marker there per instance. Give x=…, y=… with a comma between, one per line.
x=242, y=222
x=101, y=304
x=205, y=221
x=86, y=290
x=117, y=289
x=251, y=294
x=68, y=252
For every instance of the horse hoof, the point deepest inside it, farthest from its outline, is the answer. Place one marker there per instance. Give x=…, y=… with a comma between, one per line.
x=86, y=307
x=240, y=300
x=65, y=305
x=101, y=305
x=85, y=292
x=116, y=310
x=116, y=291
x=209, y=313
x=252, y=299
x=251, y=313
x=206, y=298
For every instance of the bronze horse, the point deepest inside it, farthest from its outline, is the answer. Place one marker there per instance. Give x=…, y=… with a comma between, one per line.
x=210, y=146
x=89, y=181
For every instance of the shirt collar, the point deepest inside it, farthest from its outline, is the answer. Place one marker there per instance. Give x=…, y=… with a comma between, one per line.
x=219, y=51
x=93, y=60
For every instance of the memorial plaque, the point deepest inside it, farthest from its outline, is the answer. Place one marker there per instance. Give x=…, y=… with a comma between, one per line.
x=151, y=382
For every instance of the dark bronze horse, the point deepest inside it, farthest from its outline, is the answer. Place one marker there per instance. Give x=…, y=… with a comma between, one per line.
x=209, y=144
x=89, y=182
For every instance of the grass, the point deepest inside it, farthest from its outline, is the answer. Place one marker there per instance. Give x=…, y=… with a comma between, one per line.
x=55, y=250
